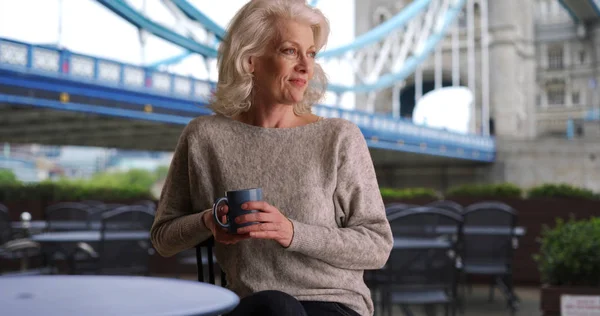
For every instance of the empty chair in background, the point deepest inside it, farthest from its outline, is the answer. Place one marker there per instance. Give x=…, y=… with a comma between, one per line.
x=422, y=269
x=92, y=203
x=151, y=205
x=396, y=207
x=68, y=216
x=121, y=256
x=488, y=245
x=96, y=213
x=21, y=249
x=447, y=205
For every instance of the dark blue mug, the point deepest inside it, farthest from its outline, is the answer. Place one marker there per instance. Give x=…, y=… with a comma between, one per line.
x=234, y=200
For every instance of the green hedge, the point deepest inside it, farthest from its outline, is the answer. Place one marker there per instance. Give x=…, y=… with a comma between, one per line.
x=570, y=253
x=68, y=191
x=136, y=184
x=505, y=190
x=133, y=184
x=410, y=193
x=8, y=177
x=561, y=191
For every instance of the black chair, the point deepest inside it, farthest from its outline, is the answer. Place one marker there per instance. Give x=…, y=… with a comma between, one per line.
x=397, y=207
x=149, y=204
x=488, y=246
x=118, y=256
x=92, y=203
x=68, y=216
x=423, y=274
x=126, y=256
x=97, y=211
x=77, y=213
x=6, y=231
x=212, y=266
x=447, y=205
x=21, y=249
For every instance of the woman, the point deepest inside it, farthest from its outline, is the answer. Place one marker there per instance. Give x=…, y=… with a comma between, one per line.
x=322, y=221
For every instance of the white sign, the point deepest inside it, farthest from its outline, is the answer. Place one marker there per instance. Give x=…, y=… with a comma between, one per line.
x=579, y=305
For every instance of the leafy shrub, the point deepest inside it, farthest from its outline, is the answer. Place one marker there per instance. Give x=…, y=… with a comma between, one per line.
x=570, y=253
x=161, y=172
x=506, y=190
x=8, y=177
x=561, y=191
x=409, y=193
x=133, y=184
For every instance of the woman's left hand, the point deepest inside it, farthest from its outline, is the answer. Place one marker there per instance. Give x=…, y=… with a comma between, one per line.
x=271, y=223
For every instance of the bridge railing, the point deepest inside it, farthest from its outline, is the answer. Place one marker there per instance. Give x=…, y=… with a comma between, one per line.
x=47, y=60
x=44, y=60
x=389, y=129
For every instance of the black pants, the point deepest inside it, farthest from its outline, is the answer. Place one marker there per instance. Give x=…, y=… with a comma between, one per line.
x=276, y=303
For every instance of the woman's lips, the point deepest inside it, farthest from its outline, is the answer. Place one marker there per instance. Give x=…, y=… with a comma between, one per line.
x=298, y=82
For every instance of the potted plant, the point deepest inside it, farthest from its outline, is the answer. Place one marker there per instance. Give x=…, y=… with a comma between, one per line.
x=569, y=262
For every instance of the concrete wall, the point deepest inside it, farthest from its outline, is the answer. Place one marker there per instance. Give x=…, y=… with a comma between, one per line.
x=437, y=177
x=530, y=163
x=525, y=163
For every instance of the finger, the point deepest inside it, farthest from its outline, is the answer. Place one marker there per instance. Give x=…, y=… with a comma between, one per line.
x=259, y=227
x=257, y=205
x=222, y=210
x=254, y=217
x=265, y=234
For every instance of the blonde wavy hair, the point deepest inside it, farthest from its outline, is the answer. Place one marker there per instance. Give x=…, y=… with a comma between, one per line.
x=252, y=29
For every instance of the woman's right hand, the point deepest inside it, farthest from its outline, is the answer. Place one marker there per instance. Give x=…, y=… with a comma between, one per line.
x=221, y=234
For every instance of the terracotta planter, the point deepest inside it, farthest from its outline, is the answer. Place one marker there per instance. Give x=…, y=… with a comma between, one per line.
x=550, y=297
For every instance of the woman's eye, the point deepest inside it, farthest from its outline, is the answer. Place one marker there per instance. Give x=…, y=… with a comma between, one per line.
x=290, y=51
x=312, y=54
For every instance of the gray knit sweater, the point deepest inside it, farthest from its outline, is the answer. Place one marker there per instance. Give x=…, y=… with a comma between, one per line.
x=320, y=176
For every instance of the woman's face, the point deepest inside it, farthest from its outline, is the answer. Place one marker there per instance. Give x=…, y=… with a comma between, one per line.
x=283, y=72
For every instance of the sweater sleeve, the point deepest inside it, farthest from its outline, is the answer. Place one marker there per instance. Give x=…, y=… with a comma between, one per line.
x=365, y=240
x=177, y=226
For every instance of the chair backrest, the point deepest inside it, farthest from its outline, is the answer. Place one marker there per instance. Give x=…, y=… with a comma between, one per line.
x=119, y=256
x=489, y=233
x=128, y=217
x=97, y=211
x=58, y=214
x=425, y=268
x=6, y=232
x=149, y=204
x=447, y=205
x=426, y=221
x=92, y=203
x=208, y=246
x=397, y=207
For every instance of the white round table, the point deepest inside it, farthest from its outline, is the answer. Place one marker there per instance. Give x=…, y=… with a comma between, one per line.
x=67, y=295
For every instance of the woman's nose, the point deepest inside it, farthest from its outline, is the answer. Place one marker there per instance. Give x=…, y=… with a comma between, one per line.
x=302, y=65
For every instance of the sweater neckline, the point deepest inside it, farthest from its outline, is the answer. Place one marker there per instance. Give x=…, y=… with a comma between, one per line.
x=255, y=128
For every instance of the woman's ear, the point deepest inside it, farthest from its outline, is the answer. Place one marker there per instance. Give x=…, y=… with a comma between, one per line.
x=251, y=63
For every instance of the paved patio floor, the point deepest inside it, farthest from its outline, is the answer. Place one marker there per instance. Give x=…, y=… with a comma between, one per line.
x=477, y=303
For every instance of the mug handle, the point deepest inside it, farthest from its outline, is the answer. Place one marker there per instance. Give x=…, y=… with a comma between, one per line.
x=215, y=216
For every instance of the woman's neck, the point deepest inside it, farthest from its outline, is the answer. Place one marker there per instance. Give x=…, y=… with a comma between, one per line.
x=275, y=117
